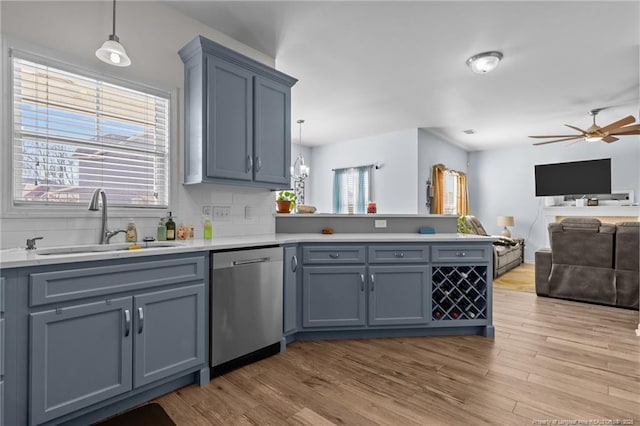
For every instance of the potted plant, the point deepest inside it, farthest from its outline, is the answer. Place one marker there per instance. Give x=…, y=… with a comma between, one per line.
x=285, y=202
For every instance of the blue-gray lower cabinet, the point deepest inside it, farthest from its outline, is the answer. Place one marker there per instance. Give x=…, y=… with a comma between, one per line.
x=333, y=296
x=1, y=351
x=80, y=355
x=399, y=295
x=167, y=329
x=290, y=287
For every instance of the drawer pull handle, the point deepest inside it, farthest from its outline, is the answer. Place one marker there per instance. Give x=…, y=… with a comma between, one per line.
x=373, y=282
x=294, y=263
x=401, y=254
x=127, y=323
x=334, y=255
x=361, y=282
x=140, y=320
x=461, y=254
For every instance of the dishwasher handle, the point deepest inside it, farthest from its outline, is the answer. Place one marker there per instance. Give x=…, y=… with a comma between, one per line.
x=250, y=261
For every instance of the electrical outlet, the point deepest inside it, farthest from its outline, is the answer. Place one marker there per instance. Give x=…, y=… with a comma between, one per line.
x=206, y=211
x=380, y=223
x=222, y=213
x=248, y=213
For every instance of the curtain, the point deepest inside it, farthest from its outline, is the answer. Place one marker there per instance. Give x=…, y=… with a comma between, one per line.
x=362, y=194
x=437, y=182
x=337, y=190
x=463, y=195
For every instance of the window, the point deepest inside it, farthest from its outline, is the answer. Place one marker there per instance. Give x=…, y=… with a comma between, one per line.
x=74, y=133
x=449, y=192
x=351, y=190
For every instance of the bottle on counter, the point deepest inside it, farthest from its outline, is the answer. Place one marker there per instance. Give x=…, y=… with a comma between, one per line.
x=171, y=228
x=132, y=233
x=208, y=228
x=162, y=230
x=181, y=232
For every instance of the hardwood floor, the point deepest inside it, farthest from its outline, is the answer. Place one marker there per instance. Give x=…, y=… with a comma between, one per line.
x=520, y=278
x=550, y=359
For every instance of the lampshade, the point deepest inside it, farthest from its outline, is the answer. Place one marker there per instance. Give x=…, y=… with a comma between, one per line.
x=485, y=62
x=111, y=51
x=505, y=221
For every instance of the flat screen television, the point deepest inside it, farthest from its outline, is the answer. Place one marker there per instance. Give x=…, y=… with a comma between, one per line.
x=574, y=178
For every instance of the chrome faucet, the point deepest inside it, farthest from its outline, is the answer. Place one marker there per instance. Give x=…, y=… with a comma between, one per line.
x=94, y=205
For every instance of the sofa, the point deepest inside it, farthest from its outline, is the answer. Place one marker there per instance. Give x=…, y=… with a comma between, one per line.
x=590, y=261
x=507, y=252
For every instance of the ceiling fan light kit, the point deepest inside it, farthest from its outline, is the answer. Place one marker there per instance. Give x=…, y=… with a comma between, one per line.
x=485, y=62
x=596, y=133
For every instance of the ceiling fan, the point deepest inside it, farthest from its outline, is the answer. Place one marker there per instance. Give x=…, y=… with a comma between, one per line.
x=597, y=133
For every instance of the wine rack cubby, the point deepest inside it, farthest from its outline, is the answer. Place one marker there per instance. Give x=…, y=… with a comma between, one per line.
x=459, y=293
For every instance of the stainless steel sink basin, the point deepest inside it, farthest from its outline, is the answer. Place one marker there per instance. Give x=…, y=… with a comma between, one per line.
x=98, y=248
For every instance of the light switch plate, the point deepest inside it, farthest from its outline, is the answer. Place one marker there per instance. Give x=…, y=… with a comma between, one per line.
x=380, y=223
x=221, y=214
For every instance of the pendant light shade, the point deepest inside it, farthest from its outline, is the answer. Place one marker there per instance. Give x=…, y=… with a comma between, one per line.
x=299, y=170
x=112, y=52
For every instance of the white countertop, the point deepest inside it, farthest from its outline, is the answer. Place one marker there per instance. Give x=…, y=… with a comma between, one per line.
x=369, y=216
x=20, y=257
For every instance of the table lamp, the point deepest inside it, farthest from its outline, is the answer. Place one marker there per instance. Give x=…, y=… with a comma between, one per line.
x=505, y=221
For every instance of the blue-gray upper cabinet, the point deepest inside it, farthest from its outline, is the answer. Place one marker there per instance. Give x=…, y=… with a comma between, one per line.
x=237, y=118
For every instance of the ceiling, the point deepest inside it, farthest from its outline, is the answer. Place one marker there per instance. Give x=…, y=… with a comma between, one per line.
x=367, y=68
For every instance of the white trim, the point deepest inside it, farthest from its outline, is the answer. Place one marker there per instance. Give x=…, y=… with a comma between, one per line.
x=46, y=56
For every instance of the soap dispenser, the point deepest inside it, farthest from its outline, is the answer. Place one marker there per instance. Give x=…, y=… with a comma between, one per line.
x=171, y=228
x=162, y=230
x=132, y=233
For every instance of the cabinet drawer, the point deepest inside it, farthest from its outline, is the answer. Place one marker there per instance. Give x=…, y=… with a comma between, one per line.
x=398, y=254
x=333, y=254
x=79, y=283
x=460, y=254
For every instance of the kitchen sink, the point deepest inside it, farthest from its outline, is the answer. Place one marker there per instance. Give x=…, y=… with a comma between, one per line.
x=99, y=248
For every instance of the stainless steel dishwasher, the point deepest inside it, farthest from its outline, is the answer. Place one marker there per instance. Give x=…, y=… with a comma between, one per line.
x=246, y=306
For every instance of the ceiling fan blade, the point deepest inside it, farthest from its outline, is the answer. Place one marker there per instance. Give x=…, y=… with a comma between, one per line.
x=555, y=136
x=630, y=132
x=626, y=130
x=609, y=139
x=617, y=124
x=558, y=140
x=576, y=128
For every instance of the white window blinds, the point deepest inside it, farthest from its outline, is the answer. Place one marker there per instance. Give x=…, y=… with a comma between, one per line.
x=73, y=133
x=352, y=190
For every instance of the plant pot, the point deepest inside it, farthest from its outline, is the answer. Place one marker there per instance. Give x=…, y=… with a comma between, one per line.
x=283, y=206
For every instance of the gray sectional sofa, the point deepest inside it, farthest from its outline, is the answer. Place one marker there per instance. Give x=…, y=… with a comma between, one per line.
x=591, y=261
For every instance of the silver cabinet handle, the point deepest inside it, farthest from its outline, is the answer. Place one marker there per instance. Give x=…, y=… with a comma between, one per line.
x=140, y=320
x=373, y=282
x=249, y=163
x=127, y=323
x=461, y=254
x=362, y=282
x=401, y=254
x=334, y=255
x=258, y=163
x=294, y=263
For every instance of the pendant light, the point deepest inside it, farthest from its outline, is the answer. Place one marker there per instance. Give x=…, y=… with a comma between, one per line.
x=300, y=171
x=112, y=52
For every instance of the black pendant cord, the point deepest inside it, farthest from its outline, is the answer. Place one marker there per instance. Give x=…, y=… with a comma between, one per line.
x=114, y=17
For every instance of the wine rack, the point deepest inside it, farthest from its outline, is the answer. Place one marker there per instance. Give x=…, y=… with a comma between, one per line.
x=459, y=293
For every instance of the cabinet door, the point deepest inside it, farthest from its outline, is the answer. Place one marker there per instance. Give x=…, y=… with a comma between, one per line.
x=333, y=296
x=229, y=148
x=291, y=268
x=80, y=355
x=169, y=329
x=272, y=143
x=398, y=295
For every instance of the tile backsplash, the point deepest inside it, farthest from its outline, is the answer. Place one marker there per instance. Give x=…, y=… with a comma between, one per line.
x=251, y=213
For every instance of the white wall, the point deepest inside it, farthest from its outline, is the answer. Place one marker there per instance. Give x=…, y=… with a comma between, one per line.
x=152, y=34
x=433, y=150
x=503, y=180
x=395, y=183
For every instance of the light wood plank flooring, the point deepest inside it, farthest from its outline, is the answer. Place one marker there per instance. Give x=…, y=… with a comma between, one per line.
x=550, y=359
x=521, y=278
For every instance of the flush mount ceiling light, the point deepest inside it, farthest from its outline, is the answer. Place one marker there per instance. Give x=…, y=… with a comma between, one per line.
x=112, y=52
x=485, y=62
